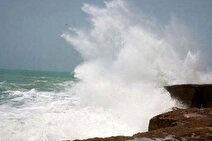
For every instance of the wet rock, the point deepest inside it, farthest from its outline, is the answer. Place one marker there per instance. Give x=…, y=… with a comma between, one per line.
x=182, y=124
x=193, y=117
x=116, y=138
x=192, y=95
x=178, y=133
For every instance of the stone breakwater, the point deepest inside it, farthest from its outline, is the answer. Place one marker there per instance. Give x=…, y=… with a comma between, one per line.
x=191, y=124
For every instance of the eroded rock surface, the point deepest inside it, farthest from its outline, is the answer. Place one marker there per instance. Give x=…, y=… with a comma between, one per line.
x=182, y=124
x=179, y=125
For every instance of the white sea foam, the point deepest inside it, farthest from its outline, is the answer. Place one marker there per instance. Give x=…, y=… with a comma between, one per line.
x=126, y=64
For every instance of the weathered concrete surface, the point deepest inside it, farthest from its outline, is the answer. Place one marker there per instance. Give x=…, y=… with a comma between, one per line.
x=192, y=95
x=179, y=125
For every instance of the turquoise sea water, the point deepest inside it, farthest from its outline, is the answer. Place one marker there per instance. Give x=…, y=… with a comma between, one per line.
x=14, y=83
x=35, y=104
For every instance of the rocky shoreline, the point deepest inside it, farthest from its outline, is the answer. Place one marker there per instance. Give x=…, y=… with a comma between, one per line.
x=191, y=124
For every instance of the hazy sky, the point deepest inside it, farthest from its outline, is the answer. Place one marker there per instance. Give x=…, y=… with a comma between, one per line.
x=30, y=29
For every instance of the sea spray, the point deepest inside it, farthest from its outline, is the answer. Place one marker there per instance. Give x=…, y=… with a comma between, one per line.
x=128, y=58
x=127, y=63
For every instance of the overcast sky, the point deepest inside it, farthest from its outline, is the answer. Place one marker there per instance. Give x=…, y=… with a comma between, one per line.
x=30, y=30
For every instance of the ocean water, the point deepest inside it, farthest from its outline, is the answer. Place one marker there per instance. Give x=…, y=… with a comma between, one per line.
x=42, y=105
x=25, y=95
x=127, y=59
x=16, y=86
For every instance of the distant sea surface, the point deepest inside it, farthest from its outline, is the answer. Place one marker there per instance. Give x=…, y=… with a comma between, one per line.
x=15, y=84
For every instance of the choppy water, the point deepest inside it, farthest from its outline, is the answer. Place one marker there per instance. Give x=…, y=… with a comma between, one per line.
x=16, y=86
x=38, y=105
x=128, y=58
x=26, y=94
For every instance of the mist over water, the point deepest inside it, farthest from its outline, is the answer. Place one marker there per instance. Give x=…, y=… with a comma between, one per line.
x=128, y=58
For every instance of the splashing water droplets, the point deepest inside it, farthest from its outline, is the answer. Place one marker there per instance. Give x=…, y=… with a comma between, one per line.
x=126, y=64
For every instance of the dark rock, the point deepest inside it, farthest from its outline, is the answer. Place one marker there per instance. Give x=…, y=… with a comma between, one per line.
x=192, y=95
